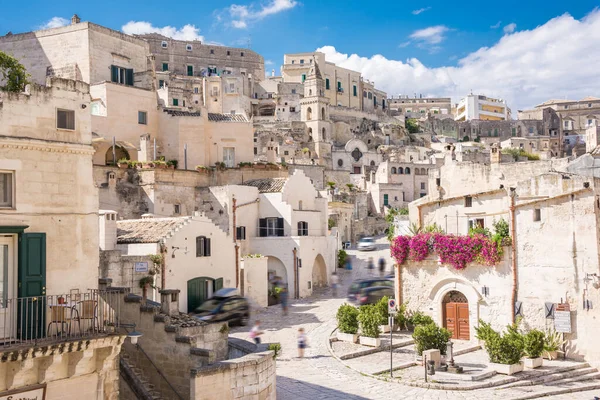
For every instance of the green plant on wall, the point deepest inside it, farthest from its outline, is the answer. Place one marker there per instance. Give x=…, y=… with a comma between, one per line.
x=412, y=125
x=12, y=73
x=146, y=281
x=276, y=348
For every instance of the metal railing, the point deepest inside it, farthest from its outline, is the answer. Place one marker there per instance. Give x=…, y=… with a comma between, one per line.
x=37, y=320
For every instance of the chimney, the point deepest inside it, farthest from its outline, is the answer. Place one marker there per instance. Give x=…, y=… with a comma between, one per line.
x=75, y=19
x=169, y=301
x=273, y=72
x=107, y=227
x=495, y=157
x=147, y=216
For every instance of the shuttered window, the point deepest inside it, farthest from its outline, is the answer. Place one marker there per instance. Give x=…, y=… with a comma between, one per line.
x=354, y=91
x=327, y=83
x=121, y=75
x=202, y=246
x=270, y=227
x=190, y=70
x=302, y=228
x=240, y=233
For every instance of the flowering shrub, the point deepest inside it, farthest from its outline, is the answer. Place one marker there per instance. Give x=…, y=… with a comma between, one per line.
x=457, y=251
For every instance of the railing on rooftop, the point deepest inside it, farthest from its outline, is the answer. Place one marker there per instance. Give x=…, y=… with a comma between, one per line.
x=39, y=320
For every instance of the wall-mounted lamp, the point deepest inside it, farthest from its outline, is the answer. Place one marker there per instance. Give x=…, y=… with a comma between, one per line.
x=83, y=106
x=174, y=248
x=485, y=291
x=133, y=335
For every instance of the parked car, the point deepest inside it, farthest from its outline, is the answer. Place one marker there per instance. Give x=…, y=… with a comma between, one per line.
x=366, y=244
x=373, y=294
x=357, y=286
x=225, y=305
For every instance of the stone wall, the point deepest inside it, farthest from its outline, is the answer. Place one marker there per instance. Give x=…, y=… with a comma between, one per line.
x=121, y=269
x=250, y=377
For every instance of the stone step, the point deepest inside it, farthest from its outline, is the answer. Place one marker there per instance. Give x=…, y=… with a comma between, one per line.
x=581, y=378
x=551, y=376
x=557, y=390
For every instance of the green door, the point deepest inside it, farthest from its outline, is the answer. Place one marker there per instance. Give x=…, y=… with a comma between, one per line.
x=32, y=286
x=385, y=200
x=196, y=293
x=218, y=284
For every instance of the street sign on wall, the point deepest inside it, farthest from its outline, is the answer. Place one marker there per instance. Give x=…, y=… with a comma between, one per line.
x=562, y=321
x=141, y=266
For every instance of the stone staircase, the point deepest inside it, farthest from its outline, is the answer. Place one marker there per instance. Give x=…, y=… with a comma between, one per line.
x=576, y=378
x=136, y=380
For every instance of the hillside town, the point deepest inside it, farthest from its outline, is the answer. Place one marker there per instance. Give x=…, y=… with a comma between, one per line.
x=180, y=222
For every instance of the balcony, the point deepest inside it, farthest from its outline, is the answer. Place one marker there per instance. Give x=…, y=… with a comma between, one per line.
x=46, y=320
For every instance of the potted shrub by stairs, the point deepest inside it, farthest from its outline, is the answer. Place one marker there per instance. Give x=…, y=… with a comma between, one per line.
x=505, y=351
x=430, y=336
x=534, y=346
x=369, y=319
x=347, y=318
x=382, y=309
x=553, y=342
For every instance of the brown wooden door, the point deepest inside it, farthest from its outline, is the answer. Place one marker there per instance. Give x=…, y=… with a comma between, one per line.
x=456, y=320
x=450, y=319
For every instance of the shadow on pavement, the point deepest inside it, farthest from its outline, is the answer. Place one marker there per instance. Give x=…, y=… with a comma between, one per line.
x=292, y=389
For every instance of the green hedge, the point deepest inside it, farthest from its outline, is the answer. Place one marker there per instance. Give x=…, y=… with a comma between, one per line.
x=430, y=336
x=347, y=317
x=369, y=318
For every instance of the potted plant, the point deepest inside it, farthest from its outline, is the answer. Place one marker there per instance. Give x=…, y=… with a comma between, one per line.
x=553, y=342
x=172, y=164
x=145, y=283
x=369, y=319
x=400, y=318
x=123, y=163
x=271, y=166
x=505, y=351
x=202, y=169
x=417, y=318
x=245, y=165
x=347, y=318
x=430, y=336
x=534, y=347
x=260, y=166
x=159, y=164
x=382, y=309
x=220, y=165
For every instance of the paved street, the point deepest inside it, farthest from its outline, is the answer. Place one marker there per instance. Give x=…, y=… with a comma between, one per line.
x=319, y=375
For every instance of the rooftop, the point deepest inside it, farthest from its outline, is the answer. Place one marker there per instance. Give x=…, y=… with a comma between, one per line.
x=268, y=185
x=150, y=230
x=214, y=117
x=179, y=113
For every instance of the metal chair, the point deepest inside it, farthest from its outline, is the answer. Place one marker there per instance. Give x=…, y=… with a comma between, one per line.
x=60, y=314
x=87, y=310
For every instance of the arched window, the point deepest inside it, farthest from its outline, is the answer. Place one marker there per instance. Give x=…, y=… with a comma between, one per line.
x=310, y=92
x=393, y=171
x=407, y=171
x=120, y=153
x=323, y=113
x=372, y=163
x=309, y=113
x=340, y=162
x=310, y=134
x=300, y=205
x=302, y=228
x=400, y=170
x=323, y=132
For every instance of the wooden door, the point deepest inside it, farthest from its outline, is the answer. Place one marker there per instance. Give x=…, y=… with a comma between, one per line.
x=456, y=319
x=32, y=286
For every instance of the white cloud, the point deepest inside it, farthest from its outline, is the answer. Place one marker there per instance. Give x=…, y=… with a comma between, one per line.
x=510, y=28
x=242, y=15
x=497, y=25
x=269, y=62
x=404, y=44
x=55, y=22
x=526, y=67
x=431, y=35
x=421, y=10
x=187, y=32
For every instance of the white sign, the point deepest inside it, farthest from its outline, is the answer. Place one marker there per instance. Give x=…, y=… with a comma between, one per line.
x=141, y=266
x=39, y=393
x=562, y=321
x=392, y=306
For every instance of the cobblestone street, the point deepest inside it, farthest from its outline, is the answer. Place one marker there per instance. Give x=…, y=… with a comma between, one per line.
x=320, y=376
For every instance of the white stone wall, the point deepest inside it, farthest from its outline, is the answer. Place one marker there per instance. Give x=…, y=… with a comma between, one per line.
x=256, y=280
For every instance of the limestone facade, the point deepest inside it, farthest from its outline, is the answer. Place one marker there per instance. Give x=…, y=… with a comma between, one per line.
x=576, y=115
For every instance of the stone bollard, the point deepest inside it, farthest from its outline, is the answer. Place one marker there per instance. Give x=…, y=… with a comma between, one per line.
x=433, y=355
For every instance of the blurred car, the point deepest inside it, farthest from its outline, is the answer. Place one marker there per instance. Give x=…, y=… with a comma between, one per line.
x=225, y=305
x=357, y=286
x=373, y=294
x=366, y=244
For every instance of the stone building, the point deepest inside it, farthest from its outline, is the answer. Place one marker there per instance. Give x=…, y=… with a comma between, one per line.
x=437, y=107
x=482, y=107
x=553, y=259
x=576, y=115
x=49, y=249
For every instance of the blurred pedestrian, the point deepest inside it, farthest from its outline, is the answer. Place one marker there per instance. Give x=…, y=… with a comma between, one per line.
x=348, y=264
x=301, y=342
x=381, y=266
x=255, y=332
x=370, y=265
x=283, y=296
x=334, y=283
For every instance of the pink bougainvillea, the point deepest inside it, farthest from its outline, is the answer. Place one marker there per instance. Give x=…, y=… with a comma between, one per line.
x=455, y=250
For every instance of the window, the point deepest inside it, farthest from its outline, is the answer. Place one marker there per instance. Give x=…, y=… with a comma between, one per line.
x=121, y=75
x=301, y=61
x=354, y=90
x=468, y=201
x=537, y=215
x=161, y=84
x=303, y=77
x=65, y=119
x=422, y=185
x=302, y=228
x=300, y=205
x=255, y=151
x=6, y=189
x=589, y=104
x=364, y=94
x=514, y=131
x=164, y=44
x=202, y=246
x=228, y=52
x=395, y=198
x=407, y=171
x=339, y=87
x=196, y=90
x=327, y=83
x=240, y=233
x=531, y=129
x=422, y=195
x=292, y=109
x=165, y=66
x=242, y=54
x=270, y=227
x=176, y=102
x=188, y=47
x=393, y=170
x=385, y=200
x=476, y=223
x=190, y=70
x=286, y=153
x=370, y=95
x=142, y=118
x=212, y=51
x=293, y=91
x=340, y=162
x=176, y=209
x=293, y=61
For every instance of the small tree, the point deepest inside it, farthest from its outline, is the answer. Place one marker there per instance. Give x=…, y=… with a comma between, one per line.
x=430, y=336
x=412, y=125
x=534, y=343
x=347, y=317
x=13, y=73
x=369, y=318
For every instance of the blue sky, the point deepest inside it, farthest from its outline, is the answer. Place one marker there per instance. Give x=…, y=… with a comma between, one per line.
x=380, y=38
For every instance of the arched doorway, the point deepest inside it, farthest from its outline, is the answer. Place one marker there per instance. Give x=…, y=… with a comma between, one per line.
x=277, y=275
x=200, y=289
x=455, y=307
x=319, y=272
x=120, y=153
